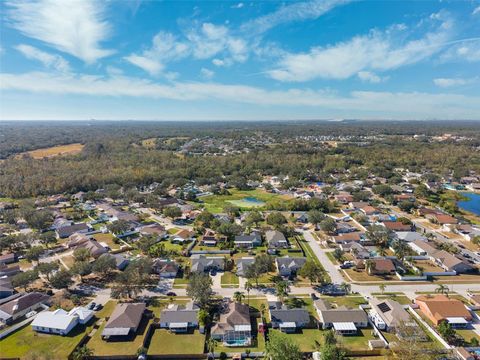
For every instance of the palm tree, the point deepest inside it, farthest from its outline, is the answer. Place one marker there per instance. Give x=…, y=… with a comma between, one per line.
x=211, y=345
x=382, y=288
x=239, y=296
x=346, y=287
x=370, y=266
x=82, y=353
x=442, y=289
x=282, y=289
x=248, y=287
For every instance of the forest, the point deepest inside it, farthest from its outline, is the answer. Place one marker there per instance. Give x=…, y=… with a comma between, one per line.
x=112, y=155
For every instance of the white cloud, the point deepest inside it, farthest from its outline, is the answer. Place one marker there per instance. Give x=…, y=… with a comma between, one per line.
x=451, y=82
x=476, y=10
x=218, y=62
x=48, y=60
x=165, y=47
x=465, y=50
x=210, y=40
x=289, y=13
x=76, y=27
x=238, y=6
x=398, y=105
x=376, y=51
x=207, y=73
x=370, y=77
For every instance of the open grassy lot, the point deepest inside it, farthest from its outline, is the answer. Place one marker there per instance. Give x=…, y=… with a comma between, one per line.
x=124, y=346
x=164, y=342
x=26, y=343
x=467, y=334
x=108, y=239
x=348, y=301
x=229, y=279
x=70, y=149
x=364, y=276
x=216, y=203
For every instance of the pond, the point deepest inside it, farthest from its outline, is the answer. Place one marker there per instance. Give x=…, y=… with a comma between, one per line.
x=247, y=202
x=472, y=204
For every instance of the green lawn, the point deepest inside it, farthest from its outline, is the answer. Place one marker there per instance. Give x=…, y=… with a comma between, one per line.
x=229, y=279
x=401, y=299
x=164, y=342
x=108, y=239
x=467, y=334
x=348, y=301
x=216, y=203
x=26, y=343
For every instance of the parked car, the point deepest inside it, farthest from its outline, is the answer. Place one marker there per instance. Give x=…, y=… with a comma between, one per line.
x=171, y=293
x=91, y=305
x=98, y=307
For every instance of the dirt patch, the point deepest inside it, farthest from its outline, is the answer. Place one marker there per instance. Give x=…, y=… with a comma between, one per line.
x=60, y=150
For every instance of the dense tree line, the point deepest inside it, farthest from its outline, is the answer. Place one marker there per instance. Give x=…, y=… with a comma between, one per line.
x=114, y=160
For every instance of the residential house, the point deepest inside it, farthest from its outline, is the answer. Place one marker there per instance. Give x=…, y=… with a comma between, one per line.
x=9, y=270
x=404, y=197
x=165, y=268
x=409, y=236
x=444, y=259
x=389, y=315
x=243, y=264
x=120, y=261
x=66, y=231
x=234, y=327
x=276, y=239
x=59, y=321
x=8, y=258
x=211, y=238
x=289, y=266
x=382, y=267
x=468, y=232
x=182, y=236
x=125, y=319
x=343, y=320
x=356, y=249
x=6, y=287
x=397, y=226
x=344, y=198
x=248, y=241
x=440, y=308
x=287, y=320
x=180, y=318
x=349, y=237
x=155, y=230
x=78, y=241
x=442, y=219
x=18, y=307
x=202, y=263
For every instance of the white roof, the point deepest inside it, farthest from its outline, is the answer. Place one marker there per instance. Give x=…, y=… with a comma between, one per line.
x=54, y=319
x=243, y=328
x=82, y=313
x=343, y=326
x=457, y=320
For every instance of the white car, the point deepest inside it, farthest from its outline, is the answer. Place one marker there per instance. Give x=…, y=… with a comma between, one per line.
x=30, y=314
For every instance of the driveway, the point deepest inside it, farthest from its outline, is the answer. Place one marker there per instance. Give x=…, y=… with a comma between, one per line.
x=320, y=253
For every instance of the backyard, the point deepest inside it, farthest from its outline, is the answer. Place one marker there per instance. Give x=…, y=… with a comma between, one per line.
x=164, y=342
x=48, y=346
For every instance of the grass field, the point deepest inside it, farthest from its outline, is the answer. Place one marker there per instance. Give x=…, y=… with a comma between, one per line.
x=70, y=149
x=216, y=203
x=164, y=342
x=108, y=239
x=28, y=344
x=229, y=279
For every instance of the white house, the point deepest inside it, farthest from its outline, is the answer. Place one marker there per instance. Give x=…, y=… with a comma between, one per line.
x=59, y=321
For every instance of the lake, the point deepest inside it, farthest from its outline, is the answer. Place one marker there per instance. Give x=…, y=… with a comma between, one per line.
x=472, y=204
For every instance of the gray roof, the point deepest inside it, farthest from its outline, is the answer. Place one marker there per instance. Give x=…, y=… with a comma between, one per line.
x=298, y=316
x=243, y=264
x=391, y=312
x=180, y=314
x=69, y=230
x=24, y=302
x=328, y=314
x=291, y=263
x=201, y=262
x=410, y=236
x=274, y=236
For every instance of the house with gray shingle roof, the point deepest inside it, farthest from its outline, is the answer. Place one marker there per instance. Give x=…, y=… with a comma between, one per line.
x=179, y=318
x=288, y=266
x=202, y=263
x=276, y=239
x=287, y=320
x=124, y=320
x=343, y=320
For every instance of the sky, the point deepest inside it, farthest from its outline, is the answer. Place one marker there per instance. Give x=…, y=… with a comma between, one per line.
x=231, y=60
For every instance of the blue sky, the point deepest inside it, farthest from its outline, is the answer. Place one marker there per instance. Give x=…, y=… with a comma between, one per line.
x=215, y=60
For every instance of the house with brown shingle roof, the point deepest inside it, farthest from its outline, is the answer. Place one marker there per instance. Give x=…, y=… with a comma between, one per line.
x=16, y=308
x=440, y=308
x=125, y=319
x=234, y=327
x=382, y=267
